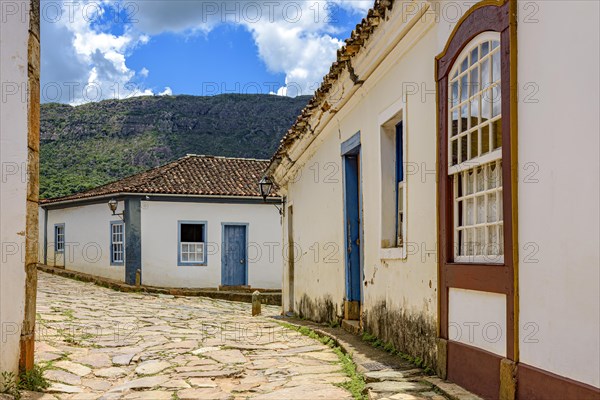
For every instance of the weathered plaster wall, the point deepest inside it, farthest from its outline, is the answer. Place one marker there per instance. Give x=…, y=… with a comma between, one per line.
x=559, y=274
x=159, y=243
x=399, y=291
x=19, y=135
x=558, y=198
x=87, y=240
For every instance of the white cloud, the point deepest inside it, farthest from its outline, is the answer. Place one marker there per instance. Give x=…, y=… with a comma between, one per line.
x=304, y=57
x=293, y=37
x=82, y=63
x=296, y=38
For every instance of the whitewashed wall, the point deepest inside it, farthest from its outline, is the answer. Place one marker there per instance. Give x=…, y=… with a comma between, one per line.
x=559, y=179
x=13, y=185
x=318, y=229
x=87, y=240
x=558, y=190
x=159, y=243
x=407, y=285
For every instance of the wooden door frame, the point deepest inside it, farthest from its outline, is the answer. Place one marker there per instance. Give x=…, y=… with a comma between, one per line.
x=290, y=255
x=247, y=229
x=352, y=148
x=496, y=16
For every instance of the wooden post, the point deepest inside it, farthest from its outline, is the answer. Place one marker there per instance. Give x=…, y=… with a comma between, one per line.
x=255, y=303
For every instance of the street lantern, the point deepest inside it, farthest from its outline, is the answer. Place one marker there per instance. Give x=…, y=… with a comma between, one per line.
x=113, y=205
x=266, y=186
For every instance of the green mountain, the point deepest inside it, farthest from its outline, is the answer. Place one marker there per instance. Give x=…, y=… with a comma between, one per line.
x=92, y=144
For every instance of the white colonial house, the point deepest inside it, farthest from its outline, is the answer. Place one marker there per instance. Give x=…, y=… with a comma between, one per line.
x=198, y=222
x=442, y=192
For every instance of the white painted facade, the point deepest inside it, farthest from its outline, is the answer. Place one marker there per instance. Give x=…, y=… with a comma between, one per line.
x=14, y=127
x=159, y=243
x=558, y=188
x=403, y=279
x=87, y=241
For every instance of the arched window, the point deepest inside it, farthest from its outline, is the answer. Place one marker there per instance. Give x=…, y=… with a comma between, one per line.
x=475, y=150
x=477, y=128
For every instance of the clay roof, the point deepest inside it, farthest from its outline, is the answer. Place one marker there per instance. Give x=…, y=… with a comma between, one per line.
x=358, y=38
x=192, y=175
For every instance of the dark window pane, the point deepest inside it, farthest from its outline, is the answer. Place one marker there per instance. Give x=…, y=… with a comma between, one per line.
x=192, y=233
x=454, y=152
x=474, y=144
x=454, y=122
x=485, y=48
x=485, y=139
x=399, y=153
x=463, y=149
x=497, y=133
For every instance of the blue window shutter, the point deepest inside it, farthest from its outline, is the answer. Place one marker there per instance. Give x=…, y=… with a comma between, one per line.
x=399, y=153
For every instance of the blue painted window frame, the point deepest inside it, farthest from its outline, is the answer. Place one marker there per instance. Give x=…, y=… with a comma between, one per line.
x=399, y=170
x=223, y=225
x=64, y=235
x=193, y=263
x=399, y=152
x=112, y=258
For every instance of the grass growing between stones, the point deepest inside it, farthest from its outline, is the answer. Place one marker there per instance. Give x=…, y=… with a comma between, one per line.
x=356, y=384
x=32, y=381
x=390, y=348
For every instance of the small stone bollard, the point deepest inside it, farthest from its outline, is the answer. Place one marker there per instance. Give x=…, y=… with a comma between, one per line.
x=255, y=303
x=138, y=277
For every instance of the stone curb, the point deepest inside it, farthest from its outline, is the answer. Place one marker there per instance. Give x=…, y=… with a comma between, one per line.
x=451, y=390
x=272, y=298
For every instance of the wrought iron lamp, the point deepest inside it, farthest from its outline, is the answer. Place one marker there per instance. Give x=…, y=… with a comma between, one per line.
x=113, y=205
x=266, y=187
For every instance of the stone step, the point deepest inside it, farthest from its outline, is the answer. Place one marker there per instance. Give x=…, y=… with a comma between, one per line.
x=351, y=326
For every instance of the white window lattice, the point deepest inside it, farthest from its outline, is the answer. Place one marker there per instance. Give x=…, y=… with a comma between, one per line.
x=60, y=238
x=192, y=252
x=117, y=243
x=475, y=151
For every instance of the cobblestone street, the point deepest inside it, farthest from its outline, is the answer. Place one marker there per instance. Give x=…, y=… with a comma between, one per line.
x=103, y=344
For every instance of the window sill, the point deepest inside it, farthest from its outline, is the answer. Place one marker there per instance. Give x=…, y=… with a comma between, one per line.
x=392, y=253
x=192, y=265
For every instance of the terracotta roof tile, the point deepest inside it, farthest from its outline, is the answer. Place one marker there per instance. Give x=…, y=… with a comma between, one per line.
x=190, y=175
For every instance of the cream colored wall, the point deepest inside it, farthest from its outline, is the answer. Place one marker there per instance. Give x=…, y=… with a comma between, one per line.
x=316, y=199
x=478, y=319
x=558, y=188
x=409, y=285
x=159, y=243
x=87, y=240
x=13, y=185
x=558, y=201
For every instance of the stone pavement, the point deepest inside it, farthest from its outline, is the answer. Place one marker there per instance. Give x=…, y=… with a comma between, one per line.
x=103, y=344
x=387, y=376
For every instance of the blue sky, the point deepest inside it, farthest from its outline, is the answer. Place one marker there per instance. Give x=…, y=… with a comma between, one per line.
x=99, y=49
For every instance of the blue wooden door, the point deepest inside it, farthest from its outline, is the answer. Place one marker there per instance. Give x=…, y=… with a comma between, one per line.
x=352, y=226
x=233, y=259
